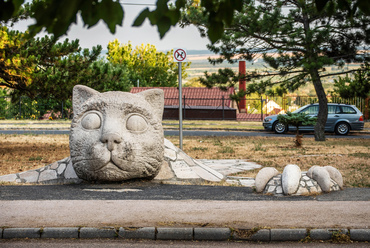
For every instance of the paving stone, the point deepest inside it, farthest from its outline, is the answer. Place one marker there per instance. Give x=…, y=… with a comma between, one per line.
x=54, y=166
x=236, y=182
x=30, y=176
x=271, y=189
x=205, y=174
x=171, y=154
x=90, y=232
x=21, y=233
x=210, y=170
x=137, y=233
x=60, y=232
x=183, y=171
x=279, y=190
x=48, y=175
x=70, y=172
x=174, y=233
x=8, y=178
x=262, y=235
x=360, y=234
x=301, y=191
x=247, y=182
x=183, y=156
x=170, y=145
x=61, y=169
x=288, y=234
x=212, y=233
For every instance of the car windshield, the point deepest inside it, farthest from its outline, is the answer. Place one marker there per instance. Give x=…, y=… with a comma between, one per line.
x=299, y=110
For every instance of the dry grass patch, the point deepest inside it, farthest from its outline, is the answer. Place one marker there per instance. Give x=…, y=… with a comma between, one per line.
x=27, y=152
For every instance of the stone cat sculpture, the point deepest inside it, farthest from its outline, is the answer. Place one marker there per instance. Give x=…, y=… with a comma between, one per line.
x=115, y=135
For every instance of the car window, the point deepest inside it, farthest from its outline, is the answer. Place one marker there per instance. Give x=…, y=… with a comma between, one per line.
x=332, y=109
x=311, y=110
x=348, y=110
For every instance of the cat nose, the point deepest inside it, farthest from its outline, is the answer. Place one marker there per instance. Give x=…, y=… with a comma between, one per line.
x=110, y=139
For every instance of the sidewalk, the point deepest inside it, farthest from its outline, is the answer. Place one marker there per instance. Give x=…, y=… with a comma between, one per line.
x=186, y=220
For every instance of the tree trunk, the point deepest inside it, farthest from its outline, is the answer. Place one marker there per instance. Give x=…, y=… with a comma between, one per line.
x=323, y=106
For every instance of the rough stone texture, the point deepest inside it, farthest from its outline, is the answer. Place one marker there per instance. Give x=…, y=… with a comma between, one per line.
x=137, y=233
x=290, y=179
x=216, y=234
x=60, y=232
x=116, y=136
x=322, y=177
x=263, y=176
x=21, y=233
x=164, y=233
x=288, y=234
x=90, y=232
x=335, y=175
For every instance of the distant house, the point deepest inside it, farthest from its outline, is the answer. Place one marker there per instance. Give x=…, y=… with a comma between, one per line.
x=198, y=103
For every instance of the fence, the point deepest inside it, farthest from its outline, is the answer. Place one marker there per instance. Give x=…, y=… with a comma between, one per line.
x=221, y=108
x=27, y=108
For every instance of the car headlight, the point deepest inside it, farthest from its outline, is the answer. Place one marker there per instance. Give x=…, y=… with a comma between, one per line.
x=268, y=119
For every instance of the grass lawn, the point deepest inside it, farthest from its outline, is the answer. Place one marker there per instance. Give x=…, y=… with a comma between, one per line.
x=350, y=156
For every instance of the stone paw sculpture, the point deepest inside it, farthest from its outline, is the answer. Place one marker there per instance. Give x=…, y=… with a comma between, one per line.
x=116, y=135
x=294, y=182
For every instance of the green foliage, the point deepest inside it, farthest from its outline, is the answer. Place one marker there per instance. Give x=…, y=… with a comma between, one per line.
x=144, y=63
x=45, y=68
x=356, y=86
x=56, y=16
x=297, y=119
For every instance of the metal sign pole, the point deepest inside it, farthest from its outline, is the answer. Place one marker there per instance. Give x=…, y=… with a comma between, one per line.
x=180, y=105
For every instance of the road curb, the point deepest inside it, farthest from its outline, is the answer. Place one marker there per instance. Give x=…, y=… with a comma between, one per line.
x=187, y=233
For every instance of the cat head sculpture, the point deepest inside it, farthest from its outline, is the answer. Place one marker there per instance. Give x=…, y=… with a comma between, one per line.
x=115, y=135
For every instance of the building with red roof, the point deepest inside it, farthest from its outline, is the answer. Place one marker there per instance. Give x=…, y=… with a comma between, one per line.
x=198, y=103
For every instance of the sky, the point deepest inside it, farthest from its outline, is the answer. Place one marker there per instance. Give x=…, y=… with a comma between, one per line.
x=186, y=38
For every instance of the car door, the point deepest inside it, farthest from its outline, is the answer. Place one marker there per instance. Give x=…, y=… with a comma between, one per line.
x=311, y=111
x=333, y=116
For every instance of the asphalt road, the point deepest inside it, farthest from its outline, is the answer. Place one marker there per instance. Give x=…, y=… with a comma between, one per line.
x=203, y=133
x=156, y=191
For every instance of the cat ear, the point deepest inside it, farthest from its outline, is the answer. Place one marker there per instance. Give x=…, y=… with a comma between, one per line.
x=156, y=98
x=80, y=94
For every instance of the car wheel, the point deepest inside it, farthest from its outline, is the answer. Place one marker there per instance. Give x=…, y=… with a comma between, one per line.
x=342, y=128
x=279, y=127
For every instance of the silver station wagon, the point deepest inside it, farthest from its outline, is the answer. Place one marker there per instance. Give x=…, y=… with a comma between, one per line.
x=341, y=119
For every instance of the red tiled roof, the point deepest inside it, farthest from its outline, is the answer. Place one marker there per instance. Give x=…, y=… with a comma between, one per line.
x=194, y=96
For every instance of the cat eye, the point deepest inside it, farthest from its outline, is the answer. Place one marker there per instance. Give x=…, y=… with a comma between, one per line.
x=91, y=121
x=136, y=123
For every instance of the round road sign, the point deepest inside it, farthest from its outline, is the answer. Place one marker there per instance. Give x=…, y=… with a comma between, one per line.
x=179, y=55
